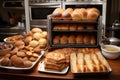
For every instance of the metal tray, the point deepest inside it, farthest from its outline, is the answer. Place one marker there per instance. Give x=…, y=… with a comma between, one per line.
x=26, y=68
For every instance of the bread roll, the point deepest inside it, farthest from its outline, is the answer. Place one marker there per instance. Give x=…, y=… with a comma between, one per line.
x=27, y=40
x=71, y=38
x=56, y=39
x=79, y=39
x=34, y=43
x=72, y=27
x=92, y=15
x=67, y=13
x=80, y=27
x=57, y=13
x=86, y=39
x=63, y=39
x=19, y=44
x=36, y=30
x=92, y=39
x=64, y=26
x=90, y=27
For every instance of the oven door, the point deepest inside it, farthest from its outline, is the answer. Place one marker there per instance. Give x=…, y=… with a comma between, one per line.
x=40, y=11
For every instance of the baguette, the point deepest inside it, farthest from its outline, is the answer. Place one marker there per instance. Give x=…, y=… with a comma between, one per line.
x=80, y=61
x=73, y=62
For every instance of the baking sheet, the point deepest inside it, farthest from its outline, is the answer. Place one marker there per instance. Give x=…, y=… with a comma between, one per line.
x=26, y=68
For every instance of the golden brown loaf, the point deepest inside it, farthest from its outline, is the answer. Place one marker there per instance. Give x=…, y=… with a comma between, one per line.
x=56, y=39
x=67, y=13
x=76, y=15
x=79, y=39
x=80, y=27
x=83, y=13
x=57, y=13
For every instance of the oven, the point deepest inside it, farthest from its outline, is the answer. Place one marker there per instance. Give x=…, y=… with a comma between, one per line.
x=40, y=9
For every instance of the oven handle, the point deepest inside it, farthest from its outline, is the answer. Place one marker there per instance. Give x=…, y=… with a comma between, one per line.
x=45, y=4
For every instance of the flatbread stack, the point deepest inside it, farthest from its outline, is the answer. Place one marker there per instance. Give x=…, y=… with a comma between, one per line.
x=56, y=60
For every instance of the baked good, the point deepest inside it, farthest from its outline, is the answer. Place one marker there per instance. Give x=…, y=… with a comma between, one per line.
x=34, y=43
x=83, y=13
x=19, y=44
x=21, y=54
x=57, y=13
x=73, y=62
x=29, y=33
x=37, y=35
x=90, y=27
x=56, y=39
x=93, y=10
x=71, y=38
x=17, y=61
x=27, y=39
x=92, y=39
x=27, y=63
x=79, y=39
x=63, y=39
x=67, y=13
x=36, y=30
x=64, y=26
x=44, y=34
x=42, y=42
x=80, y=27
x=72, y=27
x=93, y=13
x=86, y=39
x=5, y=61
x=76, y=15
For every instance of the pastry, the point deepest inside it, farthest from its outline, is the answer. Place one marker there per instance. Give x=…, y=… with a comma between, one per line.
x=19, y=44
x=34, y=43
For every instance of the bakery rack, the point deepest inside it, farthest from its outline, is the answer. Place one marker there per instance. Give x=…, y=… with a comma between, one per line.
x=96, y=32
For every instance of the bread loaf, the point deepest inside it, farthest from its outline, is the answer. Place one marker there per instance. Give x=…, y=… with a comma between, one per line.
x=76, y=15
x=57, y=13
x=67, y=13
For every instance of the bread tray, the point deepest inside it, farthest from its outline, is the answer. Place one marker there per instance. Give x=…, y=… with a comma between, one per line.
x=101, y=73
x=26, y=68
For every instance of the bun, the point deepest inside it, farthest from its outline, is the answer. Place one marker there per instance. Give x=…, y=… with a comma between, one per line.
x=79, y=39
x=33, y=43
x=63, y=39
x=28, y=39
x=56, y=39
x=67, y=13
x=57, y=13
x=72, y=27
x=80, y=27
x=36, y=30
x=19, y=44
x=17, y=61
x=42, y=42
x=71, y=39
x=86, y=39
x=37, y=35
x=64, y=26
x=93, y=40
x=90, y=27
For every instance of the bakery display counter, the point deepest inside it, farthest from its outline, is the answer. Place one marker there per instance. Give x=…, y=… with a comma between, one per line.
x=34, y=74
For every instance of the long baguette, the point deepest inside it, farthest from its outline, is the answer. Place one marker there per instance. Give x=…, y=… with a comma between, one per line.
x=80, y=61
x=73, y=62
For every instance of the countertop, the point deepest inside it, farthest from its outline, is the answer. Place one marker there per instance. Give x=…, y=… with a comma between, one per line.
x=34, y=74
